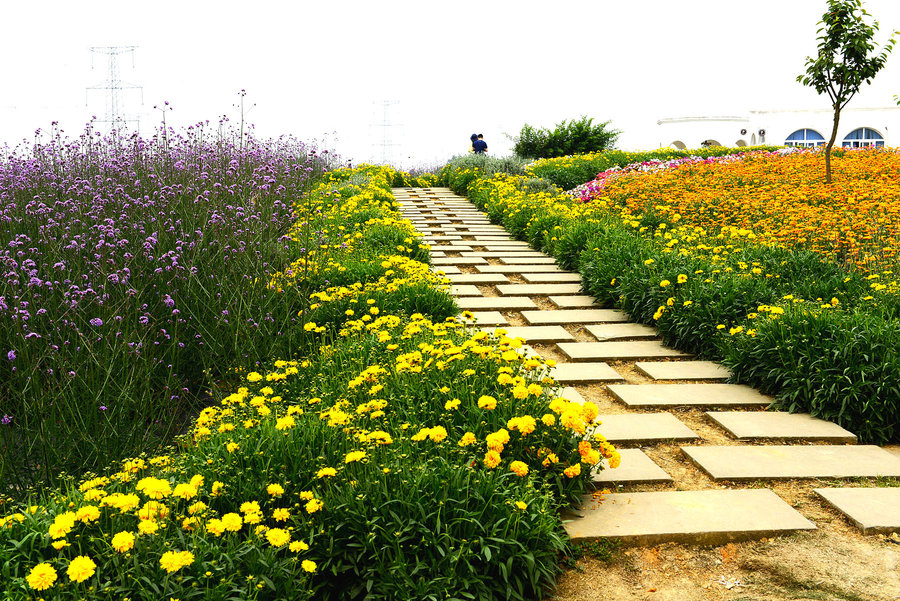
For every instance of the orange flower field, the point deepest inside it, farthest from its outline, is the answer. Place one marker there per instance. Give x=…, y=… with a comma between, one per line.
x=782, y=199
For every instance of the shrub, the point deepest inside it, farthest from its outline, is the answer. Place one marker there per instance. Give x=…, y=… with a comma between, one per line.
x=569, y=137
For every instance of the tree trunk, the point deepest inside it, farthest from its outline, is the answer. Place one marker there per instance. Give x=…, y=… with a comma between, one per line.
x=830, y=145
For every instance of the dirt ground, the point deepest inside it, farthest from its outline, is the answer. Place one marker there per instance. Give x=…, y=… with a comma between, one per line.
x=829, y=564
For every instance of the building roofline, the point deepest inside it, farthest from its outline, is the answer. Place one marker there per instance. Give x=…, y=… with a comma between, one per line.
x=687, y=119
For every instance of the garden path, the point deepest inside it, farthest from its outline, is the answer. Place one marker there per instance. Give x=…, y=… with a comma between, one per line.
x=702, y=462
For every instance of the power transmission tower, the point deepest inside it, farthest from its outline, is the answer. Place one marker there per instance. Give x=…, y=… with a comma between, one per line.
x=113, y=85
x=387, y=143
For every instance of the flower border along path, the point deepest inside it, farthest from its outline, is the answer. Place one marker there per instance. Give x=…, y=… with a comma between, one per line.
x=637, y=393
x=405, y=456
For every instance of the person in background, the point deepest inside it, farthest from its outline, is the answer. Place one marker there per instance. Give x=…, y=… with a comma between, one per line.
x=473, y=138
x=479, y=146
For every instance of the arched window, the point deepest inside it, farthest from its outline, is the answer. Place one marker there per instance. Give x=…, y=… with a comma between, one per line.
x=863, y=136
x=678, y=144
x=805, y=138
x=740, y=143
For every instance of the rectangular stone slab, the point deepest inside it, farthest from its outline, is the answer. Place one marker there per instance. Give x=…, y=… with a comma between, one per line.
x=430, y=239
x=538, y=333
x=465, y=290
x=683, y=370
x=459, y=261
x=565, y=316
x=638, y=428
x=872, y=510
x=636, y=468
x=529, y=260
x=478, y=278
x=570, y=394
x=691, y=395
x=494, y=303
x=701, y=517
x=776, y=462
x=504, y=244
x=584, y=373
x=446, y=269
x=552, y=278
x=517, y=268
x=500, y=254
x=573, y=302
x=748, y=425
x=486, y=318
x=454, y=248
x=612, y=351
x=538, y=289
x=618, y=331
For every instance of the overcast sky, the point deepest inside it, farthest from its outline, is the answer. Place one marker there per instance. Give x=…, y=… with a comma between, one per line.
x=324, y=70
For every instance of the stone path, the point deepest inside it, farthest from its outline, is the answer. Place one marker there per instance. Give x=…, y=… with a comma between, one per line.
x=689, y=441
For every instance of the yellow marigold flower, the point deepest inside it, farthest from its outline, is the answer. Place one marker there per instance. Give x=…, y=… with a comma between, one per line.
x=326, y=472
x=254, y=377
x=172, y=561
x=572, y=470
x=615, y=460
x=497, y=440
x=437, y=434
x=281, y=514
x=520, y=392
x=278, y=537
x=664, y=283
x=217, y=488
x=231, y=447
x=682, y=278
x=275, y=489
x=215, y=527
x=313, y=505
x=285, y=423
x=59, y=544
x=422, y=434
x=535, y=389
x=550, y=459
x=492, y=459
x=154, y=488
x=297, y=546
x=308, y=566
x=185, y=491
x=519, y=468
x=41, y=577
x=148, y=526
x=81, y=568
x=306, y=495
x=467, y=439
x=548, y=419
x=354, y=456
x=589, y=411
x=573, y=421
x=87, y=514
x=123, y=541
x=232, y=522
x=521, y=505
x=94, y=495
x=487, y=402
x=198, y=507
x=250, y=507
x=451, y=404
x=558, y=405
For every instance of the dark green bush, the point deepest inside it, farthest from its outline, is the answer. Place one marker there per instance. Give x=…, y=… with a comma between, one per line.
x=569, y=137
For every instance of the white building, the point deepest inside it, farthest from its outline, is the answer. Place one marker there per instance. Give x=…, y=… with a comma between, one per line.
x=857, y=127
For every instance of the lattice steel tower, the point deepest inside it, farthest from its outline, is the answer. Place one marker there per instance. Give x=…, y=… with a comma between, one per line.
x=115, y=117
x=387, y=143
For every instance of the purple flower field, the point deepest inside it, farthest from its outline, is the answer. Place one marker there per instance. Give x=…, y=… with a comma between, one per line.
x=132, y=279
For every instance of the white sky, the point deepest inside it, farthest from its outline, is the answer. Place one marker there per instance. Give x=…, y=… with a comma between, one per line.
x=322, y=70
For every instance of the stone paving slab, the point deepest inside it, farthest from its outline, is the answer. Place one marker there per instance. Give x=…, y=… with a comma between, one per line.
x=459, y=261
x=566, y=316
x=779, y=462
x=478, y=278
x=619, y=331
x=552, y=278
x=584, y=373
x=505, y=244
x=683, y=370
x=570, y=394
x=748, y=425
x=707, y=517
x=529, y=260
x=872, y=510
x=538, y=289
x=692, y=395
x=435, y=254
x=430, y=239
x=494, y=303
x=453, y=248
x=617, y=351
x=573, y=302
x=517, y=269
x=539, y=333
x=446, y=269
x=488, y=318
x=460, y=290
x=640, y=428
x=501, y=254
x=636, y=468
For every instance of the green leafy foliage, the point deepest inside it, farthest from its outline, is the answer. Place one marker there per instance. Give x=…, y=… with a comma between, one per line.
x=569, y=137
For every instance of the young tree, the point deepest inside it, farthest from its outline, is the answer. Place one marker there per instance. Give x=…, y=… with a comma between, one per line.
x=847, y=59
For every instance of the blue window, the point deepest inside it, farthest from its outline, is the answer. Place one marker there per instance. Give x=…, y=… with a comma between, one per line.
x=863, y=136
x=806, y=138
